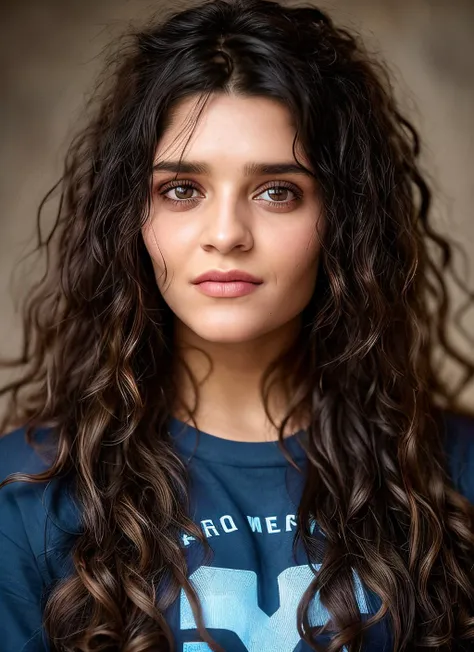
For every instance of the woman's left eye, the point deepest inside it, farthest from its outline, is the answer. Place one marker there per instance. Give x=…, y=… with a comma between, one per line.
x=281, y=194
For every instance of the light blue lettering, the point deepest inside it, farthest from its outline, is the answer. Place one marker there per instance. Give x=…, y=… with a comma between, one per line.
x=228, y=524
x=187, y=538
x=207, y=526
x=255, y=523
x=271, y=525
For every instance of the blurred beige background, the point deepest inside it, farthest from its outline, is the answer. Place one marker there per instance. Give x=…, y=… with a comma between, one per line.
x=50, y=52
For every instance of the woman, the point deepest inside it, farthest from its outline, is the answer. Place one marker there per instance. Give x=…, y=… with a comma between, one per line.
x=234, y=436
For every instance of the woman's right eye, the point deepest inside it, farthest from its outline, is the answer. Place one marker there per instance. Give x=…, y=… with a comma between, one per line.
x=180, y=188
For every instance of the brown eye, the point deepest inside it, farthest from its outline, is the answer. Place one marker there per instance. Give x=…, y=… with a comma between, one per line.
x=278, y=196
x=278, y=193
x=183, y=192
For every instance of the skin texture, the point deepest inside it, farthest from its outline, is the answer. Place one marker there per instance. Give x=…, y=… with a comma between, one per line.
x=232, y=224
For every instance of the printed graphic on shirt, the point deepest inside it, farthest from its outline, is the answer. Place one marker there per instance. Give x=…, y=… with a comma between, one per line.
x=229, y=596
x=226, y=525
x=229, y=599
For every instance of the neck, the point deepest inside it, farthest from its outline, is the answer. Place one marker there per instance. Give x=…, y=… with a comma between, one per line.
x=228, y=377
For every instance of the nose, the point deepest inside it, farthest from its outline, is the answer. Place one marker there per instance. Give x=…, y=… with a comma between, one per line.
x=227, y=224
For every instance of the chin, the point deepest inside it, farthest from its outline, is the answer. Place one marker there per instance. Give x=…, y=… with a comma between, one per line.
x=227, y=333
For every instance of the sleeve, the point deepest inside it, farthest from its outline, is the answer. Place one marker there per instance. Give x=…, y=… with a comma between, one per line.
x=460, y=452
x=20, y=598
x=21, y=582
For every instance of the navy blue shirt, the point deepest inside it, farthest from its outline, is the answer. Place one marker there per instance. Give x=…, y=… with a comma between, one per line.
x=244, y=496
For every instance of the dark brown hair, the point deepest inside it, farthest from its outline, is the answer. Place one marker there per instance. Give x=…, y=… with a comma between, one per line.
x=98, y=345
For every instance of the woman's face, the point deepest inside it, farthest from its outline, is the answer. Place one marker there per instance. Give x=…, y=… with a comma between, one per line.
x=224, y=217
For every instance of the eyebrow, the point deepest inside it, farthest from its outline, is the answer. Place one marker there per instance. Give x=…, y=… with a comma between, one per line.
x=198, y=167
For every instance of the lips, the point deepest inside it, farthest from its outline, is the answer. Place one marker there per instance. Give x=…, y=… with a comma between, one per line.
x=222, y=276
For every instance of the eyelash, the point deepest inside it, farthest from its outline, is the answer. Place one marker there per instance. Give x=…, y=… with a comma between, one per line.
x=189, y=184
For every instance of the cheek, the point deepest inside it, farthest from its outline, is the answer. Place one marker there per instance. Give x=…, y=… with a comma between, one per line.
x=157, y=253
x=296, y=255
x=149, y=238
x=162, y=243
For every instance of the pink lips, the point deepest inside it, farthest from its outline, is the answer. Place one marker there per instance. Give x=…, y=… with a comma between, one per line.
x=224, y=276
x=231, y=283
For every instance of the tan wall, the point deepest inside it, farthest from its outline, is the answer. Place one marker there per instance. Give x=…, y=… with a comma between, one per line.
x=50, y=52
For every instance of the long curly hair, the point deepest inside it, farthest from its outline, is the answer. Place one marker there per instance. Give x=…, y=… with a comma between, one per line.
x=98, y=343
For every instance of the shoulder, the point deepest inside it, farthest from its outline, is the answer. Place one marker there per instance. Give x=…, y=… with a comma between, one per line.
x=17, y=455
x=458, y=438
x=21, y=511
x=31, y=511
x=23, y=572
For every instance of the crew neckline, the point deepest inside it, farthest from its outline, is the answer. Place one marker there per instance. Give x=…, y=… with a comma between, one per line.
x=193, y=443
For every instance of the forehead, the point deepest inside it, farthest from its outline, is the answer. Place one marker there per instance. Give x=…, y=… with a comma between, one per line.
x=235, y=126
